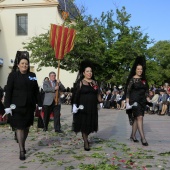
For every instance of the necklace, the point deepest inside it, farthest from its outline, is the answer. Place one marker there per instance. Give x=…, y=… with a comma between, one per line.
x=89, y=81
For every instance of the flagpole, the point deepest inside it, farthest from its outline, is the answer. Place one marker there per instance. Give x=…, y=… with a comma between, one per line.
x=64, y=15
x=58, y=73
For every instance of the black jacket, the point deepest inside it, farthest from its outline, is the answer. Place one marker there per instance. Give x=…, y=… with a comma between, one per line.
x=22, y=90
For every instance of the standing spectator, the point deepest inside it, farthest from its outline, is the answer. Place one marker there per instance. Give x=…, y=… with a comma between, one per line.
x=112, y=100
x=87, y=93
x=115, y=88
x=41, y=89
x=1, y=104
x=50, y=87
x=137, y=91
x=23, y=92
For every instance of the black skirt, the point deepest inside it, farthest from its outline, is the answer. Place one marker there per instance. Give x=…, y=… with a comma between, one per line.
x=22, y=120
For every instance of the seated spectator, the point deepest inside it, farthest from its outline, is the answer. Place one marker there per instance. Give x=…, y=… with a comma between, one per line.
x=107, y=100
x=162, y=98
x=119, y=101
x=165, y=106
x=123, y=102
x=118, y=97
x=154, y=101
x=168, y=109
x=151, y=94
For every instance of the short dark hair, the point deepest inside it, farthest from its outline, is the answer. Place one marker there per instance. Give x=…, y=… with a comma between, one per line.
x=52, y=72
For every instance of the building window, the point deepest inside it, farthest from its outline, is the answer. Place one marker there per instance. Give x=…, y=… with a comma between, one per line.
x=22, y=24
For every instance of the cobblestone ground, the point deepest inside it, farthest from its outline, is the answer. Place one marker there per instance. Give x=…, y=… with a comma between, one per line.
x=110, y=148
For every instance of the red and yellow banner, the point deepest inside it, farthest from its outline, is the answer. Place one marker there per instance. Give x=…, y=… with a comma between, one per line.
x=62, y=40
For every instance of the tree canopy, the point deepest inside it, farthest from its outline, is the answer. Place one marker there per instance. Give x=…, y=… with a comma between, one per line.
x=108, y=41
x=158, y=63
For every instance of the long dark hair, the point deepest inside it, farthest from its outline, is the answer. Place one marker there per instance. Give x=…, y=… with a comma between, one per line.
x=19, y=56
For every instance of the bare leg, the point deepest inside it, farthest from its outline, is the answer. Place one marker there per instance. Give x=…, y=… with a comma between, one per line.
x=164, y=108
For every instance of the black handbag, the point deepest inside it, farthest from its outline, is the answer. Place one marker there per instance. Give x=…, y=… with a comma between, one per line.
x=40, y=123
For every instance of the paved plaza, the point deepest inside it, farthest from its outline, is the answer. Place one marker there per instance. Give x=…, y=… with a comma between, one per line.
x=110, y=147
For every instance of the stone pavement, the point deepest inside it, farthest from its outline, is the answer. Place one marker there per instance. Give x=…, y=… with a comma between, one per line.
x=110, y=147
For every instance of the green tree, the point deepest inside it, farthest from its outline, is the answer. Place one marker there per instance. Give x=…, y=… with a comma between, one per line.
x=110, y=43
x=159, y=63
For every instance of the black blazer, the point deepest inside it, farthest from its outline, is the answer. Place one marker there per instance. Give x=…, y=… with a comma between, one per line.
x=108, y=97
x=22, y=90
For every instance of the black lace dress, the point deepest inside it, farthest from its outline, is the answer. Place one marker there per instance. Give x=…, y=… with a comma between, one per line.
x=86, y=120
x=137, y=91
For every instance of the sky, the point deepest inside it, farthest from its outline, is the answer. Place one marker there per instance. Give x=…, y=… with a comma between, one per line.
x=153, y=16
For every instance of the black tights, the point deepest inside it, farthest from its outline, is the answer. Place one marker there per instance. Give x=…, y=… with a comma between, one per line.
x=85, y=138
x=138, y=125
x=21, y=137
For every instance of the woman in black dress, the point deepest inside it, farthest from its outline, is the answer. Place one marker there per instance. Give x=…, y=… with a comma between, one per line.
x=137, y=91
x=87, y=94
x=22, y=91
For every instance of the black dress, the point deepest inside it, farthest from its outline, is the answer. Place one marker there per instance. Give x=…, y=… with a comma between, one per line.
x=23, y=91
x=137, y=91
x=86, y=120
x=1, y=104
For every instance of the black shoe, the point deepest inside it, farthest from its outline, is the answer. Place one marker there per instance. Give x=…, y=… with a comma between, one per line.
x=144, y=143
x=134, y=140
x=22, y=156
x=86, y=149
x=59, y=131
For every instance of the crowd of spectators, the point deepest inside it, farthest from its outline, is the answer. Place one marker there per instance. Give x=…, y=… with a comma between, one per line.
x=159, y=99
x=115, y=99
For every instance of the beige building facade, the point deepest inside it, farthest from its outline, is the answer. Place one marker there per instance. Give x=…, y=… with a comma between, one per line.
x=19, y=21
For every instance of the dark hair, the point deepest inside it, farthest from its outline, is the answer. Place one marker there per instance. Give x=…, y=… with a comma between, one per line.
x=19, y=56
x=83, y=65
x=46, y=78
x=52, y=72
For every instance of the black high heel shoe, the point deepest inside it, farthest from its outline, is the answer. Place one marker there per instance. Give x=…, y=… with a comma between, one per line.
x=134, y=140
x=22, y=156
x=87, y=148
x=144, y=143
